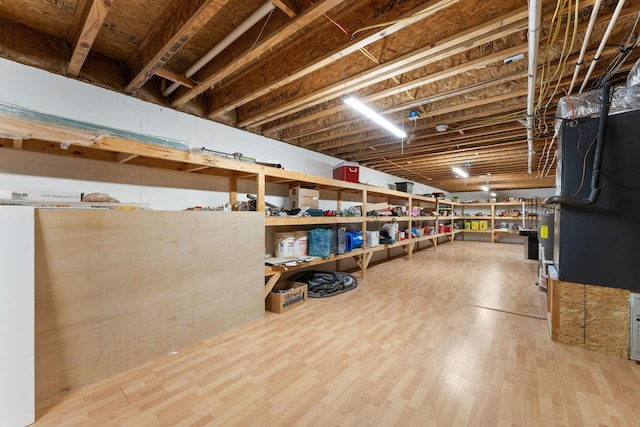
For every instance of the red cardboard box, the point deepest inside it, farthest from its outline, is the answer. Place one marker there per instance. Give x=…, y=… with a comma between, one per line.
x=347, y=171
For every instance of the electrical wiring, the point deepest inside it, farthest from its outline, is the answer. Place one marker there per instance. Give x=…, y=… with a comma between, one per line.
x=362, y=50
x=625, y=51
x=584, y=168
x=262, y=30
x=562, y=64
x=496, y=120
x=546, y=161
x=546, y=151
x=573, y=113
x=406, y=169
x=567, y=48
x=427, y=11
x=541, y=157
x=548, y=77
x=555, y=158
x=546, y=59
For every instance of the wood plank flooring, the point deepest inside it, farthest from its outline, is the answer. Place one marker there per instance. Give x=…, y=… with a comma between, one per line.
x=455, y=337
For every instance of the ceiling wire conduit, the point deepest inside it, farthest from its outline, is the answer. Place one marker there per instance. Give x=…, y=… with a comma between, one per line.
x=535, y=12
x=255, y=17
x=603, y=43
x=585, y=44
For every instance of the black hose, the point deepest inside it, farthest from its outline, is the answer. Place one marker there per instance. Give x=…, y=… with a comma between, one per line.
x=597, y=159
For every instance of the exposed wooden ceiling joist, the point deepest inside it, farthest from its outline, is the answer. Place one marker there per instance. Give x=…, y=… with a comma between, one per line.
x=179, y=22
x=96, y=13
x=285, y=76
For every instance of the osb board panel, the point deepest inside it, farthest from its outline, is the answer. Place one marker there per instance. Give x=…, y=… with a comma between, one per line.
x=593, y=317
x=571, y=322
x=607, y=320
x=116, y=289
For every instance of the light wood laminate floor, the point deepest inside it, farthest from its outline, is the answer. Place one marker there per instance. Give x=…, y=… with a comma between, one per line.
x=455, y=337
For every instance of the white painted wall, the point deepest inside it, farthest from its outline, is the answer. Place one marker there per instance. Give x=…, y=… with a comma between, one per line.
x=48, y=93
x=17, y=377
x=501, y=194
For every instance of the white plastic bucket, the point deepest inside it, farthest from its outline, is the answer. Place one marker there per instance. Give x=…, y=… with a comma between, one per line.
x=284, y=245
x=300, y=243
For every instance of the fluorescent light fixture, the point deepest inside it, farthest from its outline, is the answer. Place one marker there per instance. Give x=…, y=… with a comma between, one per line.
x=484, y=188
x=363, y=109
x=460, y=172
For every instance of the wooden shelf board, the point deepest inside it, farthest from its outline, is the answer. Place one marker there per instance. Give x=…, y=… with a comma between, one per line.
x=271, y=270
x=311, y=220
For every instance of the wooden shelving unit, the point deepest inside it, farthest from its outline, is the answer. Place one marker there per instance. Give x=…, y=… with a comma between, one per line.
x=363, y=195
x=122, y=150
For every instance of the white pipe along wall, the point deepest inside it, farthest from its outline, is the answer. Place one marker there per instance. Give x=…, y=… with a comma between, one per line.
x=535, y=13
x=603, y=43
x=263, y=11
x=585, y=43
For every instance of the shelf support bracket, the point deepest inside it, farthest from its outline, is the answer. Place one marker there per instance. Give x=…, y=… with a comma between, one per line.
x=268, y=287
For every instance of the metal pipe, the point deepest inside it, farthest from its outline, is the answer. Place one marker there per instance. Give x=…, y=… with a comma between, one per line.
x=535, y=12
x=603, y=43
x=585, y=43
x=263, y=11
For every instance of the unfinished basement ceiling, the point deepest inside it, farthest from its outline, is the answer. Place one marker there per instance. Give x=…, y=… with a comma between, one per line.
x=459, y=63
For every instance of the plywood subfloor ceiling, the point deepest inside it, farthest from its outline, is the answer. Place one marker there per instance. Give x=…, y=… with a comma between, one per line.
x=286, y=72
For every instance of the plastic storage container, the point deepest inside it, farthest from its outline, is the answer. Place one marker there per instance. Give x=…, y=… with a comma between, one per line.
x=320, y=242
x=407, y=187
x=347, y=171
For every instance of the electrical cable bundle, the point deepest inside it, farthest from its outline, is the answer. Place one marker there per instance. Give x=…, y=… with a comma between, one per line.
x=322, y=284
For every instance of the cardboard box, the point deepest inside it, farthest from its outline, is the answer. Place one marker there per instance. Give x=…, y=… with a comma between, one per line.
x=299, y=197
x=347, y=171
x=279, y=301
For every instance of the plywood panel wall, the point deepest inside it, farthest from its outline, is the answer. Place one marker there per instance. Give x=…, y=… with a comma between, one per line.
x=592, y=317
x=115, y=289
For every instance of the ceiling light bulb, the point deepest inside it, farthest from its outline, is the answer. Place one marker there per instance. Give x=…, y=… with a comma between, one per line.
x=460, y=172
x=363, y=109
x=484, y=188
x=492, y=194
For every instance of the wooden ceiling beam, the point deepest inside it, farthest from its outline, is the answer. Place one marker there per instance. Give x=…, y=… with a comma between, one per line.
x=213, y=73
x=179, y=22
x=453, y=157
x=174, y=77
x=81, y=45
x=311, y=94
x=256, y=84
x=411, y=150
x=334, y=117
x=430, y=141
x=455, y=108
x=446, y=73
x=287, y=7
